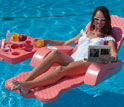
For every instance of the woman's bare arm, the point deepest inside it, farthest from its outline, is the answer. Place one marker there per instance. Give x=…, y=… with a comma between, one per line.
x=63, y=43
x=113, y=50
x=114, y=53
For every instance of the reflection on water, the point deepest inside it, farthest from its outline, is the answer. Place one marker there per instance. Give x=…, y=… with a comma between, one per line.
x=58, y=20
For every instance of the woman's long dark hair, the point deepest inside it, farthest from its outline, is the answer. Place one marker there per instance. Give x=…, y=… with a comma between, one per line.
x=107, y=28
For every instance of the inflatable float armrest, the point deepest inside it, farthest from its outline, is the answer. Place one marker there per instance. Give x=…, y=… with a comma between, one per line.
x=41, y=53
x=97, y=72
x=65, y=49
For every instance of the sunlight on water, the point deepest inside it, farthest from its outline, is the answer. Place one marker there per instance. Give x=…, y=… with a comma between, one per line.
x=58, y=20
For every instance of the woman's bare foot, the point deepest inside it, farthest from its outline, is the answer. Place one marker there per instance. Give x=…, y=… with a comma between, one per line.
x=15, y=85
x=20, y=85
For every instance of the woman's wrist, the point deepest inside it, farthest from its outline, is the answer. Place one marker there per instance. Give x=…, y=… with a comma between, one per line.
x=114, y=59
x=45, y=41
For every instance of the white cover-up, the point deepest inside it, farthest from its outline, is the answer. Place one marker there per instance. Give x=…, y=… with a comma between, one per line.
x=84, y=42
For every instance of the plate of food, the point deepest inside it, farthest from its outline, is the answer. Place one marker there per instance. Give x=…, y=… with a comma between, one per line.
x=18, y=38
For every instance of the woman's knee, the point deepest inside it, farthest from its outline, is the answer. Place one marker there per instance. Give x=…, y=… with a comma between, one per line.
x=55, y=52
x=60, y=70
x=56, y=55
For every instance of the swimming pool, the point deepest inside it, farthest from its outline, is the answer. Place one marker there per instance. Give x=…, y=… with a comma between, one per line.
x=49, y=19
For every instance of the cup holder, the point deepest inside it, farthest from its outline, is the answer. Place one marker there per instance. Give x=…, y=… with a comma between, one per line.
x=15, y=53
x=28, y=42
x=28, y=49
x=14, y=46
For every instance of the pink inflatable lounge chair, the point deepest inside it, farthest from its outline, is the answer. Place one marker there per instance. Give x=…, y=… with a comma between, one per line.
x=96, y=73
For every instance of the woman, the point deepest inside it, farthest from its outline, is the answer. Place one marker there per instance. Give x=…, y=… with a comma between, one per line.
x=98, y=34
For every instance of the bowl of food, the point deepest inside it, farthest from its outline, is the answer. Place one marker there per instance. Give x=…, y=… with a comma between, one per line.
x=18, y=38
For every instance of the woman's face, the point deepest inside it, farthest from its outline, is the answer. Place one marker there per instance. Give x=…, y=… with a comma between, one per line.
x=99, y=20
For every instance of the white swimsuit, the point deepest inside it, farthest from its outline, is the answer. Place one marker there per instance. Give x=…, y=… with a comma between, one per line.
x=84, y=42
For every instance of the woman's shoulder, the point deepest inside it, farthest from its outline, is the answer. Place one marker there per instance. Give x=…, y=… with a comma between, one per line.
x=109, y=38
x=83, y=31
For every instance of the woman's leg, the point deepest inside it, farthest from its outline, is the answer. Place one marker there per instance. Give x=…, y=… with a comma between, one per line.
x=72, y=69
x=45, y=64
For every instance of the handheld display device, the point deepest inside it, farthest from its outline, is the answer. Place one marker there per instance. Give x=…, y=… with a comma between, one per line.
x=96, y=52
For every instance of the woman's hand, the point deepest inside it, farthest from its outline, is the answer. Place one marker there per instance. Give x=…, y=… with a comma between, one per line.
x=36, y=40
x=109, y=59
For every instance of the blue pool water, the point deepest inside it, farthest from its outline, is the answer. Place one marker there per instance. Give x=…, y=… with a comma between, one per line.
x=57, y=19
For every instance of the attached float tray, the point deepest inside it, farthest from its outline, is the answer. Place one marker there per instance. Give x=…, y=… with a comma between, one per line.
x=18, y=51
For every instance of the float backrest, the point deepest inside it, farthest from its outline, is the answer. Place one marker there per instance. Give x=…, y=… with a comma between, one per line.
x=117, y=30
